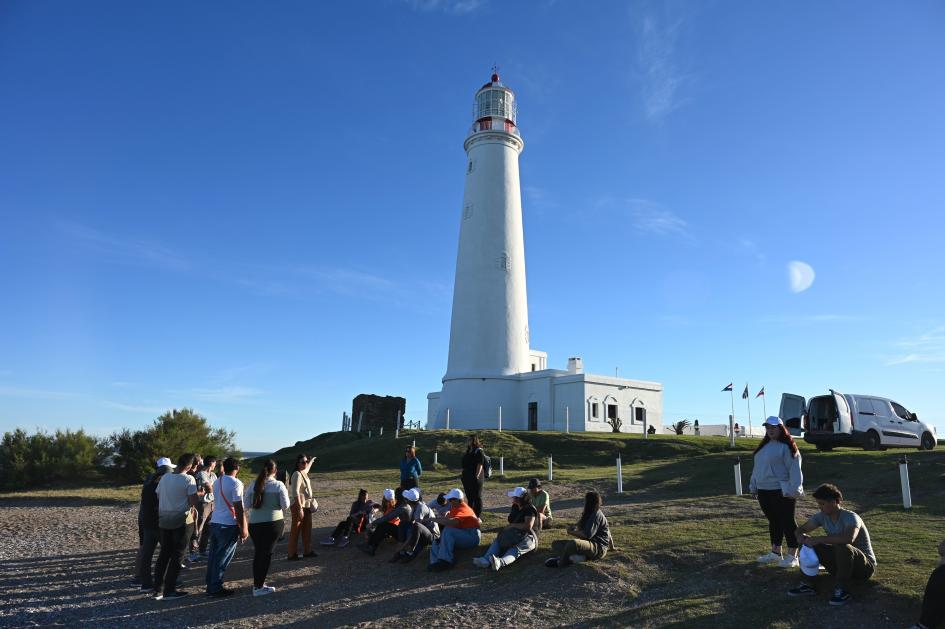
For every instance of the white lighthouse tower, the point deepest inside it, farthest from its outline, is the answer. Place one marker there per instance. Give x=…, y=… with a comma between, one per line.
x=491, y=371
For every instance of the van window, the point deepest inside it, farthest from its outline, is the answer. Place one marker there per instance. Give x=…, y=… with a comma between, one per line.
x=880, y=408
x=900, y=411
x=864, y=406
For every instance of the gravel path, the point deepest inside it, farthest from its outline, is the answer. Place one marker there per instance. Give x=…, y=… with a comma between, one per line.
x=69, y=562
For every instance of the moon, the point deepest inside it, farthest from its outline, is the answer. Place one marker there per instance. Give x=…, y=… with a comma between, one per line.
x=800, y=275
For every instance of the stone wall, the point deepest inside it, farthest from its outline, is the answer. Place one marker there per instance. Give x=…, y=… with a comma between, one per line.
x=379, y=411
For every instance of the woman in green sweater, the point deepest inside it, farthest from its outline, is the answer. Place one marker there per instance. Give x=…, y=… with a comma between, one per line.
x=265, y=502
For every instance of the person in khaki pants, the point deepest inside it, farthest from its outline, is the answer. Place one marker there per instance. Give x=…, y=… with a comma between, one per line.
x=302, y=504
x=592, y=533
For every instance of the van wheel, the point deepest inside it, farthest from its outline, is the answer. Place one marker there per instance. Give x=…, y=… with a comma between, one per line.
x=872, y=441
x=928, y=441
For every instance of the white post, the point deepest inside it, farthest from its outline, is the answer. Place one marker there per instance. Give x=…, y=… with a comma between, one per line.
x=369, y=433
x=619, y=475
x=447, y=419
x=396, y=433
x=500, y=419
x=501, y=466
x=550, y=472
x=904, y=479
x=436, y=456
x=382, y=431
x=731, y=431
x=360, y=418
x=567, y=419
x=414, y=444
x=738, y=476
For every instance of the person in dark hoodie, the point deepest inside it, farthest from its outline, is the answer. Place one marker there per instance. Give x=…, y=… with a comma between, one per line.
x=149, y=535
x=388, y=525
x=353, y=524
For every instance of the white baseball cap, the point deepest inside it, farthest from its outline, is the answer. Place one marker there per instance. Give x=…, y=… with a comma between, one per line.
x=455, y=494
x=164, y=462
x=773, y=421
x=388, y=494
x=518, y=492
x=411, y=494
x=810, y=564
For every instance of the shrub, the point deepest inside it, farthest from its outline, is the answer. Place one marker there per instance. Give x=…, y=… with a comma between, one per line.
x=30, y=460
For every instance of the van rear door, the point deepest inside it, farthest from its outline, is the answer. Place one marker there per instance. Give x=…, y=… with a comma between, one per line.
x=844, y=414
x=792, y=409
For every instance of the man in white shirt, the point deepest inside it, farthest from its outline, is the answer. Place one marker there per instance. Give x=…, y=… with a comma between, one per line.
x=177, y=499
x=227, y=526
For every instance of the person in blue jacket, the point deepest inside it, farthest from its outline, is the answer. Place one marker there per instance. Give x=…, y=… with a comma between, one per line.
x=410, y=469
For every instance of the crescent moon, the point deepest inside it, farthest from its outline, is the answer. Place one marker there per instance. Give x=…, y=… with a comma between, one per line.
x=800, y=276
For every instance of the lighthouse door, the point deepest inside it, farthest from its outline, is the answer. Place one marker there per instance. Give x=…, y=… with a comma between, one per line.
x=533, y=415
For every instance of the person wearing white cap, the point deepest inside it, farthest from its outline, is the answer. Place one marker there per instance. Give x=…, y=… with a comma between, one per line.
x=149, y=534
x=777, y=482
x=459, y=529
x=388, y=525
x=516, y=539
x=420, y=529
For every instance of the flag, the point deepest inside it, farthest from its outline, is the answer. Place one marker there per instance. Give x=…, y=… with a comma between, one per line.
x=760, y=393
x=745, y=393
x=728, y=388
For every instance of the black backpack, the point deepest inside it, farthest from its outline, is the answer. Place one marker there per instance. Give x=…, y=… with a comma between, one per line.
x=486, y=465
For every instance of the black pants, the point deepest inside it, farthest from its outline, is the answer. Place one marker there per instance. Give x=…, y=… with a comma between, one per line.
x=410, y=483
x=472, y=487
x=173, y=544
x=383, y=530
x=933, y=603
x=420, y=536
x=265, y=535
x=780, y=513
x=345, y=527
x=150, y=537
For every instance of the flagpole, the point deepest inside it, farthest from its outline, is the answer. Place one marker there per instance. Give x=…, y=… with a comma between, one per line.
x=732, y=393
x=748, y=400
x=764, y=405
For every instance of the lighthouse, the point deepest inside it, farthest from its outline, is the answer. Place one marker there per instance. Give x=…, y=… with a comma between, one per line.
x=493, y=378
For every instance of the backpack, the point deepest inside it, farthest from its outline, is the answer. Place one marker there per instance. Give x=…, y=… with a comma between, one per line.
x=486, y=465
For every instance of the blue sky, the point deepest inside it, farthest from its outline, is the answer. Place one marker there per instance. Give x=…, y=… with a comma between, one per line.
x=253, y=209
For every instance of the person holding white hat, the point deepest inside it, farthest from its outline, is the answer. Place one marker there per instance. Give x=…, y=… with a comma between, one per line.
x=516, y=539
x=421, y=529
x=777, y=482
x=395, y=510
x=460, y=529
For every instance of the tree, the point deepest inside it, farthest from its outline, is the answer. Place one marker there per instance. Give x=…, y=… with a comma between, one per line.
x=615, y=423
x=29, y=460
x=680, y=426
x=174, y=433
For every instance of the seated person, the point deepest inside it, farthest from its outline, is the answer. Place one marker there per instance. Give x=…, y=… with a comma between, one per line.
x=542, y=502
x=354, y=523
x=845, y=551
x=386, y=525
x=421, y=528
x=518, y=538
x=458, y=529
x=592, y=533
x=933, y=603
x=439, y=505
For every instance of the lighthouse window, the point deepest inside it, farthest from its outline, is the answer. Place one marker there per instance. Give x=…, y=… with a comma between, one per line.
x=505, y=263
x=467, y=211
x=469, y=168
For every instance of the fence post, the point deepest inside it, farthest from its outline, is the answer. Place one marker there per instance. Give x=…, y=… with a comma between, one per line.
x=550, y=472
x=500, y=419
x=360, y=418
x=731, y=431
x=619, y=475
x=567, y=420
x=501, y=466
x=447, y=419
x=436, y=456
x=396, y=433
x=369, y=433
x=904, y=479
x=381, y=434
x=738, y=476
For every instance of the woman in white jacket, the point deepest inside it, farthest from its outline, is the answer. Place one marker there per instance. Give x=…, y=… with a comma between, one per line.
x=777, y=482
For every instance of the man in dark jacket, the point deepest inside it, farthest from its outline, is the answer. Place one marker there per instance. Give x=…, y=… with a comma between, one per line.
x=148, y=533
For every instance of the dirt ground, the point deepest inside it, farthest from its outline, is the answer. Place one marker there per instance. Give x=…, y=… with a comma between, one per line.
x=69, y=562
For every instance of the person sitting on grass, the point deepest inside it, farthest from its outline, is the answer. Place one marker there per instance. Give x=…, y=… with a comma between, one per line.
x=845, y=551
x=388, y=524
x=421, y=516
x=933, y=602
x=516, y=539
x=458, y=529
x=591, y=532
x=542, y=502
x=439, y=505
x=353, y=524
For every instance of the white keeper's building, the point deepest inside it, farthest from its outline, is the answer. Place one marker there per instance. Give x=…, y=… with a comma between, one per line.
x=492, y=372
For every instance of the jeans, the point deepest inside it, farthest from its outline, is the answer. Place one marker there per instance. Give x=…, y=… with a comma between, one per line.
x=527, y=545
x=450, y=539
x=264, y=536
x=222, y=548
x=844, y=561
x=780, y=513
x=173, y=544
x=150, y=537
x=564, y=548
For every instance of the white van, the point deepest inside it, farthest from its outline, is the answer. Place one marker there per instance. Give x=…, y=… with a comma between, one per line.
x=841, y=419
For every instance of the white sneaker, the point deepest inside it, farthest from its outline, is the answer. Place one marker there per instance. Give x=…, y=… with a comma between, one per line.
x=263, y=591
x=577, y=558
x=769, y=558
x=495, y=563
x=480, y=562
x=789, y=562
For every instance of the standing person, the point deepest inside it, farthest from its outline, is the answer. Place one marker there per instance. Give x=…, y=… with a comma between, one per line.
x=177, y=501
x=592, y=533
x=410, y=469
x=205, y=478
x=473, y=474
x=458, y=529
x=777, y=482
x=845, y=551
x=518, y=538
x=227, y=526
x=353, y=524
x=542, y=502
x=933, y=601
x=266, y=500
x=301, y=502
x=148, y=530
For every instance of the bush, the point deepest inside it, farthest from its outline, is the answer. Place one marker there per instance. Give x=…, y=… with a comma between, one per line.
x=30, y=460
x=174, y=433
